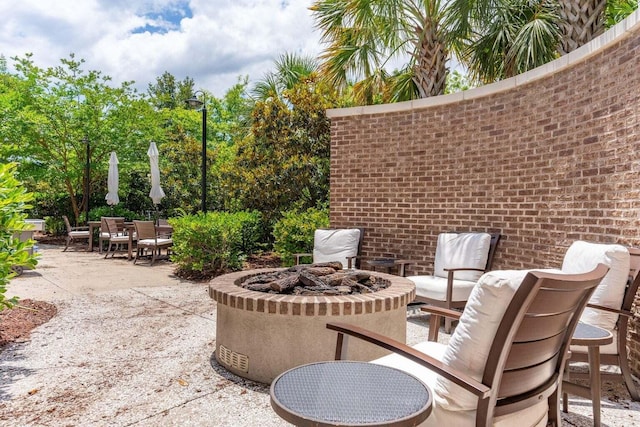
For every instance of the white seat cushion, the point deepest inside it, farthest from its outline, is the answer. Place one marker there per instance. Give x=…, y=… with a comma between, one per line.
x=154, y=242
x=79, y=233
x=462, y=250
x=469, y=345
x=582, y=257
x=335, y=245
x=535, y=416
x=436, y=288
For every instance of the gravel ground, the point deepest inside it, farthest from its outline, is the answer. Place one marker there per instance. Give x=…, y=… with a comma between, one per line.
x=136, y=349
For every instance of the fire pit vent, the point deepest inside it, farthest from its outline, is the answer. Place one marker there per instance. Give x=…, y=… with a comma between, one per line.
x=234, y=360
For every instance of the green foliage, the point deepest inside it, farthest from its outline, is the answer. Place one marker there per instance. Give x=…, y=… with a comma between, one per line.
x=617, y=10
x=169, y=93
x=117, y=211
x=48, y=114
x=206, y=245
x=13, y=252
x=286, y=159
x=457, y=82
x=293, y=233
x=181, y=155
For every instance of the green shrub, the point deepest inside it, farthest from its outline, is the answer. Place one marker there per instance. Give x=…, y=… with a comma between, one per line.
x=293, y=233
x=218, y=242
x=13, y=202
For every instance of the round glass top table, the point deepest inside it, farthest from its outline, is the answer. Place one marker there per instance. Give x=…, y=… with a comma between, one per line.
x=348, y=393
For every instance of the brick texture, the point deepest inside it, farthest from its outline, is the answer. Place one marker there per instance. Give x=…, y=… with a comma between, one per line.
x=544, y=164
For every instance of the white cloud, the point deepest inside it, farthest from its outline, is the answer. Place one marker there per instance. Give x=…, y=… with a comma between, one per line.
x=213, y=42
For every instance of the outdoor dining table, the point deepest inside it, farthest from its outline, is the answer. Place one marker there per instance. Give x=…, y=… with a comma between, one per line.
x=349, y=393
x=93, y=225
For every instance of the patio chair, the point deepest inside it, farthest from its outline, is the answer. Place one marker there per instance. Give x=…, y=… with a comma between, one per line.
x=117, y=235
x=504, y=362
x=609, y=308
x=460, y=260
x=104, y=233
x=148, y=240
x=336, y=244
x=75, y=233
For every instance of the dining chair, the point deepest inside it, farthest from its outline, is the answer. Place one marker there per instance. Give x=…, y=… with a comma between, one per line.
x=504, y=365
x=460, y=259
x=75, y=233
x=104, y=232
x=117, y=236
x=148, y=240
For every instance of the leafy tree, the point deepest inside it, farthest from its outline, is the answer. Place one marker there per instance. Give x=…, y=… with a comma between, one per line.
x=47, y=114
x=169, y=93
x=13, y=202
x=284, y=163
x=228, y=120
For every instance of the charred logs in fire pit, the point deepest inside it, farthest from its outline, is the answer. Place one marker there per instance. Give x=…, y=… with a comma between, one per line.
x=316, y=279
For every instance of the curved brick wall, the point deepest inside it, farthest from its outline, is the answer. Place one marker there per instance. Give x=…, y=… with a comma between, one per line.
x=545, y=158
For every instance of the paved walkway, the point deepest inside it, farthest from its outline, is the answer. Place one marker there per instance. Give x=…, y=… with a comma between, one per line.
x=132, y=345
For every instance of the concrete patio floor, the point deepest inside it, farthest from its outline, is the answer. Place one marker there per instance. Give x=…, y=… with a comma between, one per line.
x=133, y=345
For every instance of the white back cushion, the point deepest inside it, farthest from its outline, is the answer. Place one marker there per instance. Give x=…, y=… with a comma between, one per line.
x=335, y=245
x=582, y=257
x=469, y=345
x=458, y=250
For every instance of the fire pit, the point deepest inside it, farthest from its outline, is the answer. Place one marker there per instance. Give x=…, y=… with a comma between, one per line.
x=259, y=335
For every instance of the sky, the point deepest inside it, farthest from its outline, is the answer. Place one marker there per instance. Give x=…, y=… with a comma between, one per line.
x=212, y=41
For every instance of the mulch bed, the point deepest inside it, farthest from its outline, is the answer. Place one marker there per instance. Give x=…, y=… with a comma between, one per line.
x=16, y=324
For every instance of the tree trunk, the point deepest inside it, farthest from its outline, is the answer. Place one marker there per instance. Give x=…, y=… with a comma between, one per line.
x=431, y=61
x=581, y=21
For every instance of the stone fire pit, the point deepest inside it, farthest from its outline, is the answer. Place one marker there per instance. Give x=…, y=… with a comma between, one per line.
x=259, y=335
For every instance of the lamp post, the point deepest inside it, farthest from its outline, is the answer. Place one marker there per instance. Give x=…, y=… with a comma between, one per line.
x=87, y=175
x=194, y=102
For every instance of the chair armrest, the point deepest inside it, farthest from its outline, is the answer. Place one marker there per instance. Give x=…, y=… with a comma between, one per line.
x=298, y=256
x=610, y=310
x=459, y=378
x=463, y=269
x=434, y=320
x=351, y=261
x=402, y=266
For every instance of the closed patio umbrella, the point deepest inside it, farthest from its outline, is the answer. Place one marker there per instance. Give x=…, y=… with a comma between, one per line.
x=112, y=181
x=156, y=192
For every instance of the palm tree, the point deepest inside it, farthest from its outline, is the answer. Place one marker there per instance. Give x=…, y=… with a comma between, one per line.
x=499, y=39
x=364, y=37
x=290, y=70
x=581, y=21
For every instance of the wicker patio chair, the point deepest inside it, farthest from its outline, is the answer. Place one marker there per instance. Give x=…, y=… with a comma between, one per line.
x=149, y=243
x=75, y=233
x=504, y=364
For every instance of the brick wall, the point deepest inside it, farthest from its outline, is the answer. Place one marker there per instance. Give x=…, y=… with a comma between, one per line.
x=545, y=159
